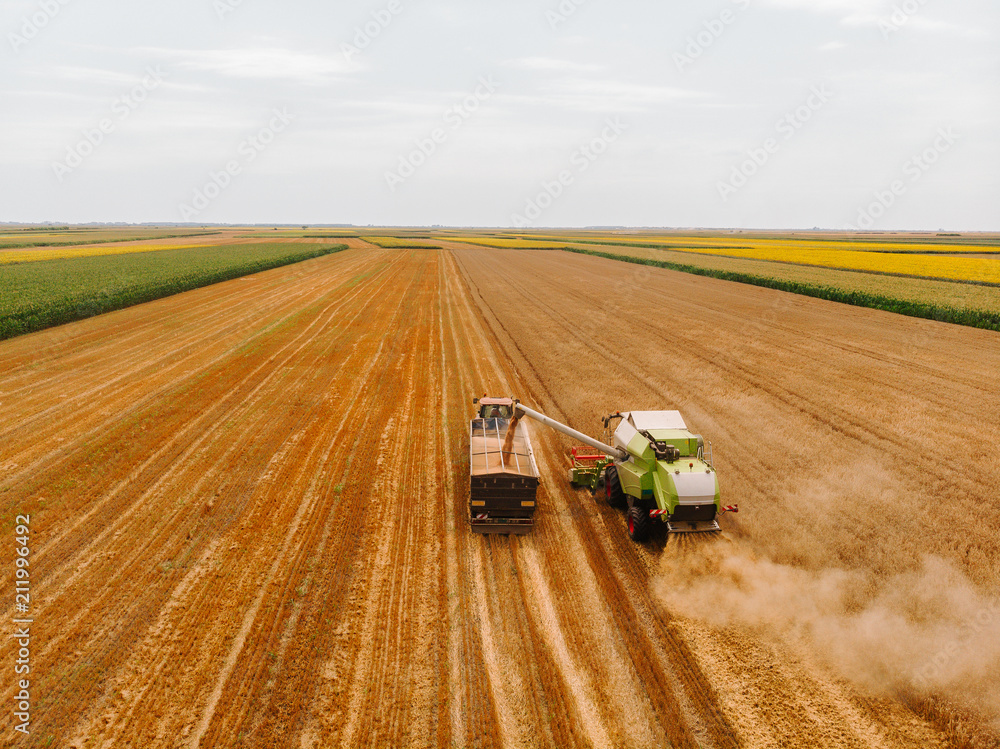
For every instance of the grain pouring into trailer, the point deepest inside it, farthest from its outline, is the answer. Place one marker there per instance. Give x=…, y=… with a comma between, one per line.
x=503, y=477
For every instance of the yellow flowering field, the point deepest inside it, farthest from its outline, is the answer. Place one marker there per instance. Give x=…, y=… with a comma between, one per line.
x=841, y=255
x=869, y=244
x=58, y=253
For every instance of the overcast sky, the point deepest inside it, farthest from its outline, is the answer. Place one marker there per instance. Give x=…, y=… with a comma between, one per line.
x=877, y=114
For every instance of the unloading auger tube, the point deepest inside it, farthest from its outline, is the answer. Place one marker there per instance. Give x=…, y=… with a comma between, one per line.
x=614, y=452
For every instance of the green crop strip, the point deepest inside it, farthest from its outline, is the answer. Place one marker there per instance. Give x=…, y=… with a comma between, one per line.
x=21, y=244
x=43, y=294
x=968, y=317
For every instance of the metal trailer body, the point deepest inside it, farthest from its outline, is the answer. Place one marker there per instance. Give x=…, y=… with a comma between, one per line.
x=502, y=484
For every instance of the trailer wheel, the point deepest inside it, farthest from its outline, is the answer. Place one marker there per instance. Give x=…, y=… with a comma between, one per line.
x=613, y=487
x=638, y=522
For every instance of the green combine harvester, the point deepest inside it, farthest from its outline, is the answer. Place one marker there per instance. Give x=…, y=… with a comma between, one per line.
x=652, y=465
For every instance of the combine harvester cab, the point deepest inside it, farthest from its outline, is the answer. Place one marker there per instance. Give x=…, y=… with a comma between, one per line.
x=503, y=477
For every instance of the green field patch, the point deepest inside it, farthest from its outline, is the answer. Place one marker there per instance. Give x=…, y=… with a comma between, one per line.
x=39, y=295
x=66, y=240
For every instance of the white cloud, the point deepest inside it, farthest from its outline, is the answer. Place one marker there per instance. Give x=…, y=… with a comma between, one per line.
x=878, y=13
x=863, y=19
x=264, y=63
x=895, y=21
x=92, y=75
x=553, y=64
x=924, y=23
x=608, y=95
x=830, y=6
x=851, y=12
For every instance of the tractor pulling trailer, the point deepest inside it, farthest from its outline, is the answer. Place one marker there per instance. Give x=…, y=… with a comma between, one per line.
x=651, y=465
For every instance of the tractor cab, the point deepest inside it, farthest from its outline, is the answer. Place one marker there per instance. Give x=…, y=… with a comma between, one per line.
x=495, y=408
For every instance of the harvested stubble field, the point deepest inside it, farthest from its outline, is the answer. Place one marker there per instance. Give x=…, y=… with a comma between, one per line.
x=968, y=297
x=248, y=513
x=957, y=295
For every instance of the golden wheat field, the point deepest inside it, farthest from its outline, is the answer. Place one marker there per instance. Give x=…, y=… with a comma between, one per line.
x=249, y=515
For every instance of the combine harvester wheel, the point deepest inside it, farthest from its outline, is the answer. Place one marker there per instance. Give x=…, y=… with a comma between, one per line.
x=613, y=487
x=638, y=523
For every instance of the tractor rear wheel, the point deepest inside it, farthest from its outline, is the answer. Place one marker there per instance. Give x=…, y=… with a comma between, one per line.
x=638, y=522
x=613, y=487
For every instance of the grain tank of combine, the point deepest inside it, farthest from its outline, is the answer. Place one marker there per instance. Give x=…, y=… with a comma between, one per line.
x=657, y=468
x=503, y=477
